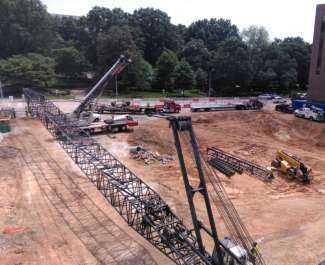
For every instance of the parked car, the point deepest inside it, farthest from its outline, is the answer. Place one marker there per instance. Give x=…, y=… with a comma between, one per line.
x=286, y=108
x=314, y=114
x=266, y=97
x=279, y=100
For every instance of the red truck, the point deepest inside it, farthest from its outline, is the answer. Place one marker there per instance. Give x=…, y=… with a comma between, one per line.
x=169, y=106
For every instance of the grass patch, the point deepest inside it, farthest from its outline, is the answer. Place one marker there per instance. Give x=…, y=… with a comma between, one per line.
x=156, y=94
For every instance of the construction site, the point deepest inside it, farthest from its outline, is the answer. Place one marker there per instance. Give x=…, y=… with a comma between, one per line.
x=236, y=184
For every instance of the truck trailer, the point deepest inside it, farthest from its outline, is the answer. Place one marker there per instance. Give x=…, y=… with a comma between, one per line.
x=252, y=104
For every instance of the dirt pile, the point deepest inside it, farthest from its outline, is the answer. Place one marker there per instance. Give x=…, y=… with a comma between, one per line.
x=154, y=138
x=278, y=126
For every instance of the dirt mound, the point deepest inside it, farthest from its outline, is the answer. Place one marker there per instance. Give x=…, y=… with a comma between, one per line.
x=279, y=126
x=154, y=139
x=222, y=116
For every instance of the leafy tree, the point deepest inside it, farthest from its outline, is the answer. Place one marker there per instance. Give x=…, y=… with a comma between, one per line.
x=100, y=19
x=212, y=31
x=25, y=27
x=257, y=40
x=70, y=62
x=165, y=66
x=196, y=54
x=183, y=75
x=256, y=37
x=299, y=50
x=28, y=70
x=211, y=46
x=201, y=78
x=73, y=31
x=230, y=62
x=280, y=69
x=144, y=74
x=117, y=41
x=156, y=32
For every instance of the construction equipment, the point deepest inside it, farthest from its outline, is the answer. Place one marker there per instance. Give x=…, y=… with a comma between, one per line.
x=235, y=249
x=90, y=121
x=291, y=166
x=118, y=123
x=238, y=164
x=138, y=204
x=97, y=90
x=168, y=106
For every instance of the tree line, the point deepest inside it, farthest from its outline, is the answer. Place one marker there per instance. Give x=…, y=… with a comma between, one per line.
x=212, y=56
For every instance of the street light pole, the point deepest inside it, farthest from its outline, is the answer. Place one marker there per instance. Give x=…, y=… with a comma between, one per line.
x=209, y=91
x=1, y=91
x=116, y=92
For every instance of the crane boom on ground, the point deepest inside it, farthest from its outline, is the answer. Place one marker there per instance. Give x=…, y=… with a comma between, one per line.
x=97, y=89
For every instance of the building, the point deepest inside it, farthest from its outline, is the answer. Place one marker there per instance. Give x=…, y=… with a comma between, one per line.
x=316, y=91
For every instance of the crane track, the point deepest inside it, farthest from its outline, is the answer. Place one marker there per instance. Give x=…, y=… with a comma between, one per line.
x=98, y=232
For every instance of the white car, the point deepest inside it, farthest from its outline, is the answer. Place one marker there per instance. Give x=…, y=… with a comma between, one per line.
x=279, y=100
x=310, y=113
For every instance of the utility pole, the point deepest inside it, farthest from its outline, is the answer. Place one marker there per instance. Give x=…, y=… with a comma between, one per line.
x=210, y=88
x=116, y=92
x=1, y=91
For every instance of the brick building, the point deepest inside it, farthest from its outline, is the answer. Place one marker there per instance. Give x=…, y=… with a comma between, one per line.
x=316, y=91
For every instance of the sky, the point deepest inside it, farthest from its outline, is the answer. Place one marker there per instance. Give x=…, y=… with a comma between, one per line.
x=282, y=18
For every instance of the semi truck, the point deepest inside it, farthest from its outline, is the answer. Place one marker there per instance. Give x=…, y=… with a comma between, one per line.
x=168, y=106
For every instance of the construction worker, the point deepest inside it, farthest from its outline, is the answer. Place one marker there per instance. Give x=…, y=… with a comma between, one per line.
x=254, y=252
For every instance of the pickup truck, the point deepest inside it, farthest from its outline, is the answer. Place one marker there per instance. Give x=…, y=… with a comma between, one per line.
x=313, y=114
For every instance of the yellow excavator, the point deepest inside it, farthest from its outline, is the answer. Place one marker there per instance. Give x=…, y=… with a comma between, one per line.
x=291, y=166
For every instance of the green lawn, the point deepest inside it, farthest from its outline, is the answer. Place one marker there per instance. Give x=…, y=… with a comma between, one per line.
x=156, y=94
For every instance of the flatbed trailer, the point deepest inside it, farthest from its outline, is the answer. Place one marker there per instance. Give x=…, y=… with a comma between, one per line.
x=211, y=107
x=169, y=106
x=112, y=109
x=214, y=106
x=103, y=127
x=126, y=109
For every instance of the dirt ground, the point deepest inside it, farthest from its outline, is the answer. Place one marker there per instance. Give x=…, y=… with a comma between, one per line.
x=285, y=217
x=51, y=214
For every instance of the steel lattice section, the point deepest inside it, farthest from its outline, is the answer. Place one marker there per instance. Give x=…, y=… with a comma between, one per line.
x=140, y=206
